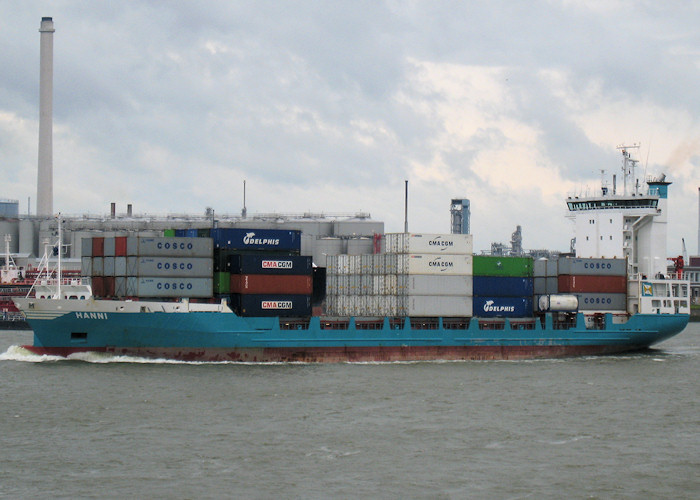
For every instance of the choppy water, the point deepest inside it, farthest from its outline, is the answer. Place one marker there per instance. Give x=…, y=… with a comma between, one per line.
x=597, y=427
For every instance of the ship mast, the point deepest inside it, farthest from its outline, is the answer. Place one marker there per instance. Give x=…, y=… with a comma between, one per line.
x=628, y=166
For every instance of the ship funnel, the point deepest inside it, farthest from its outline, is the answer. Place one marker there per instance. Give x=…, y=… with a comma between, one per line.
x=44, y=200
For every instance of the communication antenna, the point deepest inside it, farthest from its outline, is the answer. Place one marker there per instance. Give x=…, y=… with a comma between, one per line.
x=244, y=212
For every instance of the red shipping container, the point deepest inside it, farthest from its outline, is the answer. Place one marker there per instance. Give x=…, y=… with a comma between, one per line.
x=98, y=289
x=120, y=246
x=271, y=284
x=592, y=284
x=98, y=246
x=109, y=286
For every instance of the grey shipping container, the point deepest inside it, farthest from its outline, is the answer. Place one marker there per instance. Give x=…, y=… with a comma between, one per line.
x=98, y=266
x=109, y=266
x=169, y=247
x=86, y=266
x=601, y=301
x=120, y=286
x=593, y=267
x=109, y=247
x=120, y=266
x=196, y=267
x=86, y=247
x=153, y=286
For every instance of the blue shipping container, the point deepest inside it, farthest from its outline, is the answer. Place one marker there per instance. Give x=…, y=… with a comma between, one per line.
x=271, y=305
x=503, y=286
x=256, y=239
x=502, y=307
x=270, y=264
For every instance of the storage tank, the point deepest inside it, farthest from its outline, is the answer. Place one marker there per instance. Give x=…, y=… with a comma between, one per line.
x=558, y=303
x=11, y=228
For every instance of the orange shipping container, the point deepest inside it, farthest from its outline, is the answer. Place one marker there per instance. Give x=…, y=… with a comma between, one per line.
x=271, y=284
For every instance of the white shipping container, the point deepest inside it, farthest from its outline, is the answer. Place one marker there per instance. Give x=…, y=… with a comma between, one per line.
x=153, y=286
x=445, y=305
x=343, y=264
x=442, y=265
x=422, y=284
x=459, y=244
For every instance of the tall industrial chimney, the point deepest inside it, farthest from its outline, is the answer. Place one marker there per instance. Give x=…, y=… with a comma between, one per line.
x=44, y=185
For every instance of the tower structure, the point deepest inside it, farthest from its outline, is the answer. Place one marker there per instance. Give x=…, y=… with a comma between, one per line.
x=459, y=216
x=44, y=199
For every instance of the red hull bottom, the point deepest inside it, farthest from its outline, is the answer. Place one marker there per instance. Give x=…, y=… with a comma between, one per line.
x=345, y=354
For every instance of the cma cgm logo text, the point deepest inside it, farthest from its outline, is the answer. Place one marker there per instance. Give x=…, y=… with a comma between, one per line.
x=440, y=243
x=277, y=264
x=489, y=307
x=90, y=315
x=440, y=263
x=277, y=304
x=250, y=239
x=170, y=245
x=174, y=286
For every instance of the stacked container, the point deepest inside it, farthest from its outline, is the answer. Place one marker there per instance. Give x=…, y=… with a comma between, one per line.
x=599, y=284
x=148, y=267
x=503, y=286
x=420, y=275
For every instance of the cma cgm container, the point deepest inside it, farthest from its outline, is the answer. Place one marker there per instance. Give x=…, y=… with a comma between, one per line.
x=487, y=265
x=592, y=284
x=169, y=247
x=271, y=305
x=503, y=286
x=502, y=307
x=170, y=266
x=169, y=287
x=270, y=284
x=270, y=264
x=443, y=264
x=275, y=240
x=429, y=243
x=597, y=267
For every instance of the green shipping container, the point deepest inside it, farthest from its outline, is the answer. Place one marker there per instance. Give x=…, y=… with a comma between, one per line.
x=169, y=233
x=487, y=265
x=222, y=282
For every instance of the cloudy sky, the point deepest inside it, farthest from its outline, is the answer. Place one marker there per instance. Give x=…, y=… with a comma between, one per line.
x=329, y=106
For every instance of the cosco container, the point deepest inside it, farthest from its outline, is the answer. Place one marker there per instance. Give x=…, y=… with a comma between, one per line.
x=120, y=266
x=444, y=264
x=120, y=286
x=199, y=267
x=488, y=265
x=270, y=284
x=257, y=239
x=108, y=266
x=169, y=287
x=502, y=307
x=270, y=264
x=271, y=305
x=429, y=243
x=109, y=247
x=169, y=247
x=503, y=286
x=98, y=266
x=592, y=284
x=602, y=301
x=431, y=305
x=544, y=268
x=421, y=284
x=597, y=267
x=86, y=247
x=86, y=266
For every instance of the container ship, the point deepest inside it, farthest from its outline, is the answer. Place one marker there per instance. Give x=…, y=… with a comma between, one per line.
x=248, y=295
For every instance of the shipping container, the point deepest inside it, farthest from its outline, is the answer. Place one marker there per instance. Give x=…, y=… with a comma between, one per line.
x=271, y=284
x=120, y=266
x=120, y=286
x=552, y=284
x=108, y=269
x=597, y=267
x=109, y=286
x=98, y=266
x=169, y=233
x=120, y=246
x=271, y=305
x=381, y=305
x=222, y=282
x=444, y=264
x=257, y=239
x=503, y=286
x=98, y=246
x=169, y=247
x=431, y=305
x=459, y=244
x=592, y=284
x=421, y=284
x=86, y=247
x=199, y=267
x=503, y=307
x=270, y=264
x=602, y=301
x=97, y=283
x=109, y=247
x=169, y=287
x=86, y=266
x=539, y=283
x=488, y=265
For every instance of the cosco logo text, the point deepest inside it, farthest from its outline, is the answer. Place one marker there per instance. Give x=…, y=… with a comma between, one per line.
x=168, y=245
x=174, y=286
x=181, y=266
